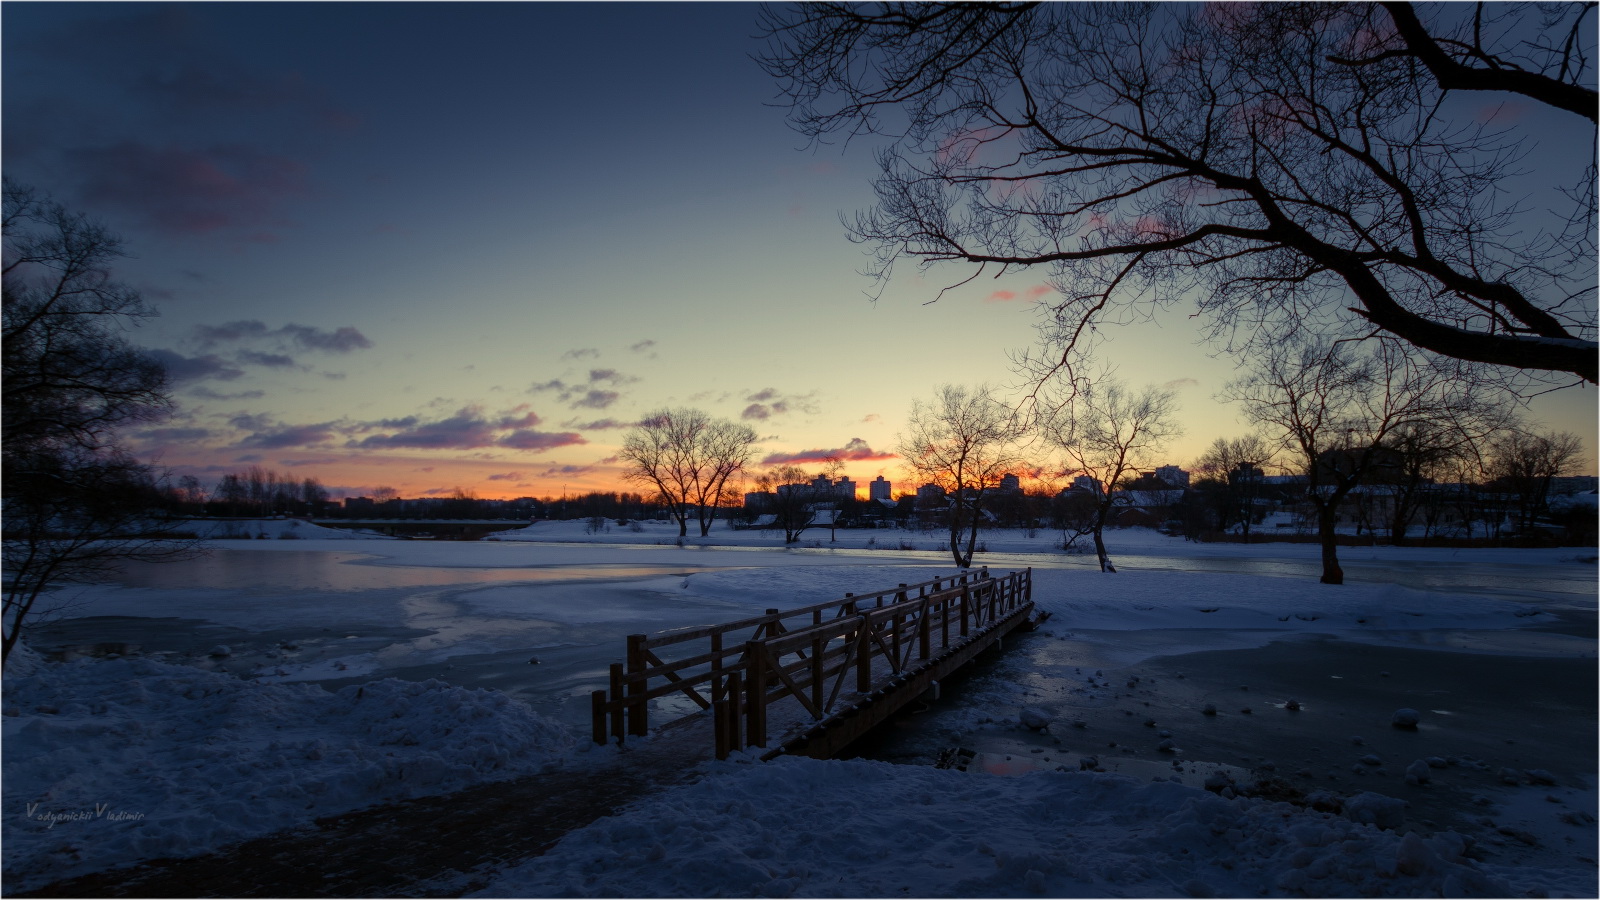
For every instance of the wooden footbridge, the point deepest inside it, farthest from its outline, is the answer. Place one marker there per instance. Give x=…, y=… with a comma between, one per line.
x=813, y=679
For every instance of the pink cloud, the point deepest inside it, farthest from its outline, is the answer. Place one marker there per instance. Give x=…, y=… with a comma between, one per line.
x=192, y=191
x=1001, y=297
x=855, y=451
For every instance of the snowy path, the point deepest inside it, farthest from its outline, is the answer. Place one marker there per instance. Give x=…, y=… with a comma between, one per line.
x=430, y=846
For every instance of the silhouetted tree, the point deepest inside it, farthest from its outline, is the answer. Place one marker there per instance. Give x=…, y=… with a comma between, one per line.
x=1108, y=433
x=964, y=441
x=687, y=457
x=1522, y=466
x=74, y=502
x=1336, y=407
x=1230, y=475
x=1299, y=166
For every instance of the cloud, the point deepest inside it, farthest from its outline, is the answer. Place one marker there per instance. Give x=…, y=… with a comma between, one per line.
x=341, y=340
x=345, y=339
x=465, y=430
x=581, y=353
x=593, y=393
x=312, y=461
x=507, y=476
x=644, y=346
x=598, y=425
x=872, y=417
x=468, y=429
x=1176, y=383
x=278, y=437
x=540, y=440
x=182, y=190
x=211, y=335
x=610, y=376
x=175, y=435
x=270, y=360
x=144, y=84
x=1031, y=294
x=596, y=400
x=194, y=368
x=768, y=402
x=567, y=471
x=856, y=450
x=209, y=394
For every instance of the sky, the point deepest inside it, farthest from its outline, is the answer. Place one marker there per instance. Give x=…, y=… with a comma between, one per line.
x=463, y=246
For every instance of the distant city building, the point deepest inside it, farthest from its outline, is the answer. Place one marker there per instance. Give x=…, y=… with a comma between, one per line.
x=1245, y=472
x=930, y=492
x=1573, y=484
x=1173, y=476
x=759, y=500
x=878, y=489
x=1010, y=483
x=1087, y=483
x=823, y=489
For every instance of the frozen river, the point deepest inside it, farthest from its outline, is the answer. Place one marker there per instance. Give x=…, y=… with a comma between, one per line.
x=542, y=621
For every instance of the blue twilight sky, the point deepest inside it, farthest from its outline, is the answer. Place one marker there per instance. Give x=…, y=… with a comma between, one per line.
x=434, y=246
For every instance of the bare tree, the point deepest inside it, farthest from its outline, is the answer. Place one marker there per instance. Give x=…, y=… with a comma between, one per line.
x=1336, y=407
x=1522, y=466
x=687, y=457
x=1235, y=467
x=74, y=503
x=795, y=498
x=1299, y=166
x=964, y=441
x=1434, y=450
x=1108, y=433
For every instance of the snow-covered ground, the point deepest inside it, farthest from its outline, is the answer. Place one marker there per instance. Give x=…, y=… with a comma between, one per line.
x=111, y=760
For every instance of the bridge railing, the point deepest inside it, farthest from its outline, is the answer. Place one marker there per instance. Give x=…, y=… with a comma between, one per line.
x=739, y=669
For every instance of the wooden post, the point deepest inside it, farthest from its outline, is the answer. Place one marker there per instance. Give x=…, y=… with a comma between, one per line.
x=894, y=638
x=817, y=676
x=1027, y=591
x=718, y=689
x=720, y=727
x=735, y=701
x=638, y=708
x=925, y=630
x=617, y=727
x=597, y=707
x=966, y=594
x=756, y=711
x=944, y=622
x=864, y=656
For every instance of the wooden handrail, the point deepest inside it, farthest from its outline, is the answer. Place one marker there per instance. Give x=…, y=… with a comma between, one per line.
x=776, y=660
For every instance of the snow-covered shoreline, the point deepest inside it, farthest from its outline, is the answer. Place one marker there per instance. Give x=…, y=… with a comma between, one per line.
x=108, y=761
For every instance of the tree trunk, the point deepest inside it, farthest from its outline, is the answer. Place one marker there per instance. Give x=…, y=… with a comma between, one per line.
x=1327, y=520
x=1099, y=539
x=955, y=538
